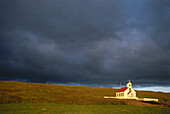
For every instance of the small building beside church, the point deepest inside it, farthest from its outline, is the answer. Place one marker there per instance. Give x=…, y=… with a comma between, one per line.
x=126, y=92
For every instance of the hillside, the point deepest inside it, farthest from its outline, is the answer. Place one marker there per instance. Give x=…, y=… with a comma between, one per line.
x=17, y=92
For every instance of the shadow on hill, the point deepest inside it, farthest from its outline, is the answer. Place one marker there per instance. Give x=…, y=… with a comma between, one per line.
x=151, y=102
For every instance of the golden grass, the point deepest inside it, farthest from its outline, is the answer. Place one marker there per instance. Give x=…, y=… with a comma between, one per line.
x=17, y=92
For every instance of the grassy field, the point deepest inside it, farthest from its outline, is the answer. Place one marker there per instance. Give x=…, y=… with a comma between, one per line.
x=78, y=109
x=19, y=96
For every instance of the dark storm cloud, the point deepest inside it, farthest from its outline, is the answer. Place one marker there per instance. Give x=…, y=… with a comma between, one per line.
x=88, y=41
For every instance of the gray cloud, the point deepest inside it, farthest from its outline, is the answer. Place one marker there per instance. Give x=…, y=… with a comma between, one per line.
x=88, y=41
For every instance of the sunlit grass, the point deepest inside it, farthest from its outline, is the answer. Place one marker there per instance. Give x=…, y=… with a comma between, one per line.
x=20, y=92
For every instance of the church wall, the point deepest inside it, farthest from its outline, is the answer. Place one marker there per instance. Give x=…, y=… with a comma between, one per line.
x=120, y=94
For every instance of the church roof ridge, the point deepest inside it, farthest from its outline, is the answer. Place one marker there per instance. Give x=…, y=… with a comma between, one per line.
x=122, y=89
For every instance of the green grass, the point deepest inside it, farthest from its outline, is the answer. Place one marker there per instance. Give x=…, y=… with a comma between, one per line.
x=78, y=109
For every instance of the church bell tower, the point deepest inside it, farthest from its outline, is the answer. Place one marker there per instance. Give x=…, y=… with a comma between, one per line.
x=129, y=84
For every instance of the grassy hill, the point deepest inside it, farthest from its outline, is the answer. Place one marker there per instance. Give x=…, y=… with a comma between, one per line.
x=21, y=92
x=20, y=97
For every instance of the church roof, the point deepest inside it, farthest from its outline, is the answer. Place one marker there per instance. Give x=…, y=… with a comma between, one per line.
x=129, y=92
x=122, y=89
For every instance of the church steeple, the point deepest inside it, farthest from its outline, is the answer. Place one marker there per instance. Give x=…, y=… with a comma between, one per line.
x=129, y=84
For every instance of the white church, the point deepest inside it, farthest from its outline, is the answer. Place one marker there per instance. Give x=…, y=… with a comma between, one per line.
x=129, y=93
x=126, y=92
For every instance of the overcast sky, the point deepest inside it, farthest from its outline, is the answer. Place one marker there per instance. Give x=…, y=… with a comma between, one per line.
x=85, y=41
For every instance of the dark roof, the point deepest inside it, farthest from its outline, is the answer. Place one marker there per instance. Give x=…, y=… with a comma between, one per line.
x=129, y=92
x=122, y=89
